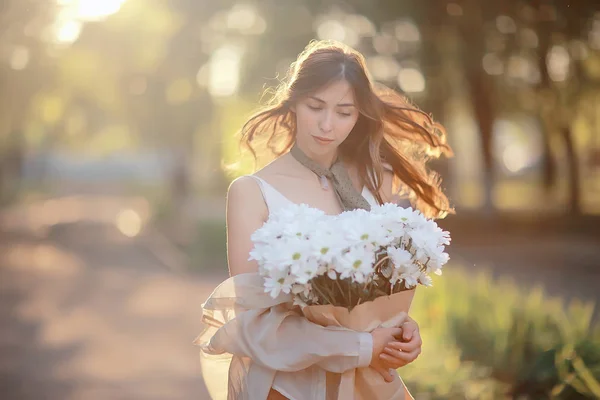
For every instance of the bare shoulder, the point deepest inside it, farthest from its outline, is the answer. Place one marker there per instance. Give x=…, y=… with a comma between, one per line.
x=244, y=195
x=242, y=186
x=246, y=212
x=279, y=167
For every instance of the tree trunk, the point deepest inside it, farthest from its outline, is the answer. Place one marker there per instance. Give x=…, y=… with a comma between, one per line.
x=481, y=91
x=549, y=170
x=574, y=202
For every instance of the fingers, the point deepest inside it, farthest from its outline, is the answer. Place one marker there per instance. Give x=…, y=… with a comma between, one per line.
x=406, y=346
x=400, y=356
x=409, y=329
x=395, y=332
x=391, y=362
x=393, y=352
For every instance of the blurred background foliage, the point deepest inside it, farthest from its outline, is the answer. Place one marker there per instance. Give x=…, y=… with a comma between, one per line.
x=486, y=339
x=144, y=97
x=515, y=82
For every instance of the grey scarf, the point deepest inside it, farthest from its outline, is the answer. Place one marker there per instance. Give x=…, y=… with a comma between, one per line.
x=347, y=194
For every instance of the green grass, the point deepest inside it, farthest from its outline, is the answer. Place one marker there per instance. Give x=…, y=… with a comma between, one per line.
x=485, y=338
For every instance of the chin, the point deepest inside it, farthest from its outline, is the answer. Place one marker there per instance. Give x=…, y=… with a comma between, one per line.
x=324, y=149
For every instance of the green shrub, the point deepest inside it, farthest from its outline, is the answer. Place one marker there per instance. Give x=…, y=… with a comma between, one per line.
x=486, y=338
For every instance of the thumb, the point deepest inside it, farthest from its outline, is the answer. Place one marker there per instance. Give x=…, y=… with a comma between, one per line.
x=408, y=331
x=396, y=332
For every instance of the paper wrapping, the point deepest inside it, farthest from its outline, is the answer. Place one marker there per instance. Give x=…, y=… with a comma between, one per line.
x=243, y=296
x=386, y=311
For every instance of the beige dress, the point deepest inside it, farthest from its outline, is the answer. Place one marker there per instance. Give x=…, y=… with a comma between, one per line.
x=252, y=343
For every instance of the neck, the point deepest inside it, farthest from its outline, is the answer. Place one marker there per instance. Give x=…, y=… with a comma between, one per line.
x=325, y=159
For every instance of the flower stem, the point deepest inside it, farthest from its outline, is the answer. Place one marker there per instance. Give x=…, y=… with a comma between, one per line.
x=337, y=282
x=320, y=293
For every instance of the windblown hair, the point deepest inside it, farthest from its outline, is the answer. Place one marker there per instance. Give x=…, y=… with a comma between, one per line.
x=389, y=132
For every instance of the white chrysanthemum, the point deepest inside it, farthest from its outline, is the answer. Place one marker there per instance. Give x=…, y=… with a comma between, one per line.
x=399, y=257
x=276, y=283
x=325, y=244
x=423, y=242
x=295, y=212
x=280, y=256
x=303, y=289
x=298, y=243
x=289, y=252
x=436, y=262
x=305, y=271
x=357, y=263
x=331, y=272
x=258, y=254
x=385, y=209
x=364, y=228
x=397, y=220
x=408, y=274
x=425, y=280
x=299, y=228
x=264, y=234
x=413, y=218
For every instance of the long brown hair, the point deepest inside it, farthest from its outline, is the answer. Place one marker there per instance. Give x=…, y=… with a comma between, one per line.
x=389, y=130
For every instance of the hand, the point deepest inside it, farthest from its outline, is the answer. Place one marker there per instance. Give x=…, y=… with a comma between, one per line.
x=383, y=337
x=400, y=353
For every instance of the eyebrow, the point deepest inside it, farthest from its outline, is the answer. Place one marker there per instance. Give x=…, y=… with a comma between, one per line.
x=339, y=105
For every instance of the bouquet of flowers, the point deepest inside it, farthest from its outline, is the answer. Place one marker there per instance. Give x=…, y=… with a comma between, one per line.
x=347, y=259
x=356, y=270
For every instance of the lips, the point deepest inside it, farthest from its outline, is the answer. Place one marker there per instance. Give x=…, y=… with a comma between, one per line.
x=322, y=140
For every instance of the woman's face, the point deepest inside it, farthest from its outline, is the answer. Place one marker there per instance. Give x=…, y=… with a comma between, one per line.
x=325, y=118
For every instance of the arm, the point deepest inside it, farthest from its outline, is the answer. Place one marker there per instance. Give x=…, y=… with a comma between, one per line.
x=399, y=353
x=261, y=334
x=246, y=212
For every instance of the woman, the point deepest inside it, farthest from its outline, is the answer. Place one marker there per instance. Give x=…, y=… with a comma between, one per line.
x=340, y=143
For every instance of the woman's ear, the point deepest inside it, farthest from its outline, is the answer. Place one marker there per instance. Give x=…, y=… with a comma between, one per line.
x=293, y=108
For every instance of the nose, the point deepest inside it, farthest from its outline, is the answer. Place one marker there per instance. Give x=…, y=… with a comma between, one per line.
x=326, y=123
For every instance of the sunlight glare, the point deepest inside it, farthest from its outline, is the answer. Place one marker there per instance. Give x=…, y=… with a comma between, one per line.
x=515, y=157
x=558, y=62
x=383, y=68
x=224, y=70
x=69, y=22
x=492, y=64
x=92, y=10
x=19, y=58
x=411, y=80
x=68, y=31
x=129, y=223
x=407, y=31
x=241, y=17
x=333, y=29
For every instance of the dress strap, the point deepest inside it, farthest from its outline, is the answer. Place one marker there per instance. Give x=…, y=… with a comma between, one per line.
x=272, y=197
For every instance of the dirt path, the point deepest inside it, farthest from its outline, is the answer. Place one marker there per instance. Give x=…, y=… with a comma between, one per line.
x=88, y=313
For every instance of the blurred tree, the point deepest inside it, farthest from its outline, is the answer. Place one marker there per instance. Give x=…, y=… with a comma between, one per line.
x=506, y=50
x=146, y=75
x=571, y=97
x=23, y=69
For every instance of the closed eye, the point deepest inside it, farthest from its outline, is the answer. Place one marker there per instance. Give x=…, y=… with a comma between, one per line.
x=321, y=108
